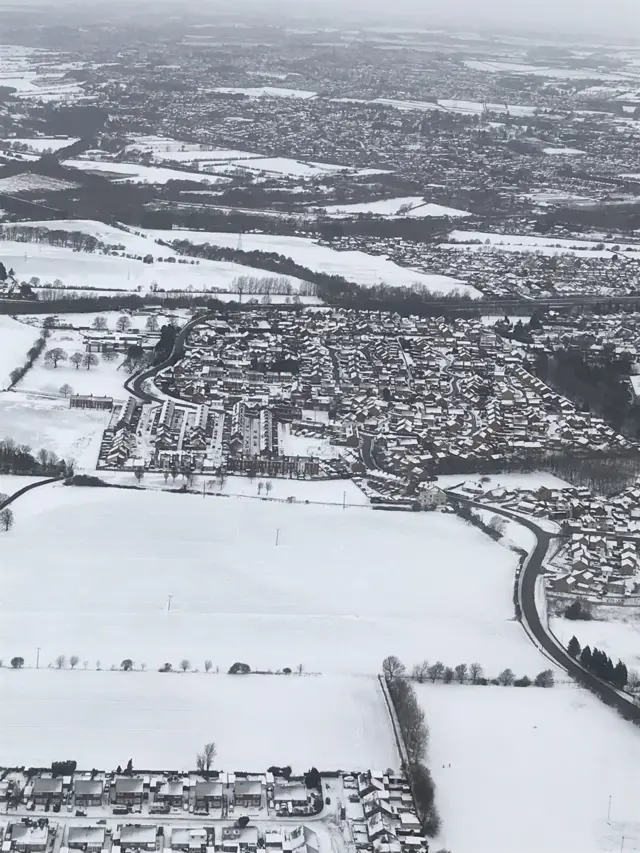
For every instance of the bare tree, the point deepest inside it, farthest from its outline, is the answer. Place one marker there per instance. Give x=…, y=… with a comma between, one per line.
x=123, y=323
x=66, y=390
x=260, y=484
x=420, y=671
x=6, y=519
x=76, y=359
x=461, y=672
x=185, y=664
x=207, y=666
x=60, y=661
x=89, y=360
x=506, y=677
x=152, y=324
x=392, y=668
x=100, y=324
x=268, y=486
x=447, y=675
x=74, y=660
x=436, y=671
x=475, y=672
x=55, y=356
x=204, y=759
x=109, y=355
x=138, y=474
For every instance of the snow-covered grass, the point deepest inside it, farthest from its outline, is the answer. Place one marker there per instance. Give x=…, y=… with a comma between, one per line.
x=562, y=151
x=138, y=174
x=619, y=638
x=366, y=270
x=162, y=720
x=410, y=206
x=91, y=571
x=526, y=243
x=9, y=484
x=531, y=770
x=40, y=144
x=534, y=480
x=77, y=270
x=49, y=423
x=108, y=234
x=103, y=380
x=28, y=182
x=15, y=340
x=266, y=92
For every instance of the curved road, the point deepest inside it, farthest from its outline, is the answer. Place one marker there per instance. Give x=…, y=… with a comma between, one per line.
x=134, y=383
x=530, y=618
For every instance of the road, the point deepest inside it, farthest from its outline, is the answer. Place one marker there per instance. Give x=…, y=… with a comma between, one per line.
x=533, y=626
x=134, y=384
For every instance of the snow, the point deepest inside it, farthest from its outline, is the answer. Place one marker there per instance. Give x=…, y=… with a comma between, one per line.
x=28, y=182
x=266, y=92
x=533, y=481
x=162, y=720
x=542, y=71
x=477, y=108
x=287, y=166
x=526, y=243
x=103, y=380
x=411, y=206
x=76, y=270
x=138, y=174
x=531, y=770
x=43, y=143
x=366, y=270
x=9, y=483
x=42, y=422
x=341, y=590
x=563, y=151
x=619, y=638
x=15, y=340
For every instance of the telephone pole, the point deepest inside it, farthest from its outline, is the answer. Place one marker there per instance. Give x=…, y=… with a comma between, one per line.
x=169, y=602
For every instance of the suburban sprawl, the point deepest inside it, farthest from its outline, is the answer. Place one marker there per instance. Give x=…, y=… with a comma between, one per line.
x=319, y=434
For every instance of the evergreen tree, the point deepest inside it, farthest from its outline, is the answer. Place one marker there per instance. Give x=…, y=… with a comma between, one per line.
x=574, y=647
x=620, y=675
x=585, y=657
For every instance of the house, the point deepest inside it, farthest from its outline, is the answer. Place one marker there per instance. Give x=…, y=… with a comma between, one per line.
x=248, y=793
x=294, y=793
x=47, y=790
x=237, y=839
x=88, y=792
x=129, y=790
x=29, y=837
x=209, y=795
x=192, y=839
x=171, y=793
x=135, y=836
x=86, y=838
x=430, y=496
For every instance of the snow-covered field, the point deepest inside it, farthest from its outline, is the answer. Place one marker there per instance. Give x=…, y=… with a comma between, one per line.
x=10, y=484
x=618, y=638
x=367, y=270
x=39, y=144
x=562, y=151
x=411, y=206
x=266, y=92
x=77, y=270
x=103, y=380
x=15, y=340
x=534, y=480
x=162, y=720
x=49, y=423
x=527, y=243
x=28, y=182
x=138, y=174
x=531, y=770
x=341, y=590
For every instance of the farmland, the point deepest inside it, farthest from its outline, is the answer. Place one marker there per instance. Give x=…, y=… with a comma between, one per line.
x=162, y=720
x=562, y=753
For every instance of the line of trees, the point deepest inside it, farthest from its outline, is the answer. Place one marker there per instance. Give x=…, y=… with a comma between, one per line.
x=19, y=459
x=32, y=354
x=599, y=663
x=415, y=735
x=473, y=674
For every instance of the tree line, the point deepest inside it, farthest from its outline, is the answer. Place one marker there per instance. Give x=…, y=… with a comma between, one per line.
x=599, y=663
x=33, y=352
x=20, y=460
x=415, y=735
